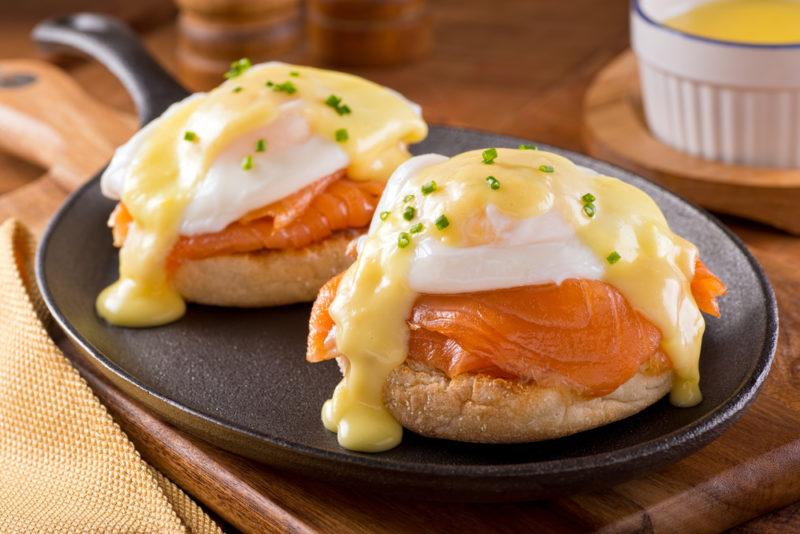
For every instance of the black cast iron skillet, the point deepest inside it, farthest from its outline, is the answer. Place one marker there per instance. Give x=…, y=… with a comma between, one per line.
x=237, y=378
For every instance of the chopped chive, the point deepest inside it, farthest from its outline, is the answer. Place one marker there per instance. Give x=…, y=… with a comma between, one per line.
x=285, y=87
x=408, y=198
x=294, y=74
x=335, y=102
x=342, y=135
x=489, y=155
x=189, y=135
x=409, y=213
x=269, y=83
x=403, y=240
x=546, y=168
x=494, y=183
x=238, y=68
x=528, y=147
x=417, y=228
x=238, y=89
x=247, y=162
x=442, y=222
x=613, y=258
x=384, y=215
x=588, y=205
x=429, y=188
x=261, y=145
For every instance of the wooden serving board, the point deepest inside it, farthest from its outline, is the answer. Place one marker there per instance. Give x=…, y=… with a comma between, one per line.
x=615, y=130
x=750, y=470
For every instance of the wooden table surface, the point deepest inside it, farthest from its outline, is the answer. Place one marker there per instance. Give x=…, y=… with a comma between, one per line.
x=517, y=67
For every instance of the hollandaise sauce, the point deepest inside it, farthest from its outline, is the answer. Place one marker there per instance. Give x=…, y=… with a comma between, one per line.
x=451, y=201
x=371, y=124
x=744, y=21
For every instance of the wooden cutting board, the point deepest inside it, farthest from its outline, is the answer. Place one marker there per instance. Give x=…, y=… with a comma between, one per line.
x=751, y=469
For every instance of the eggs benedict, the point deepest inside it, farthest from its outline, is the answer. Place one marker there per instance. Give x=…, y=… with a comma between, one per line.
x=509, y=296
x=249, y=195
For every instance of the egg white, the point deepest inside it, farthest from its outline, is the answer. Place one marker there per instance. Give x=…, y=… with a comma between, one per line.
x=295, y=158
x=537, y=250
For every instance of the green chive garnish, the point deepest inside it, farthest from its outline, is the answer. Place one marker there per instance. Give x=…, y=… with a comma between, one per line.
x=403, y=240
x=613, y=258
x=335, y=102
x=546, y=168
x=384, y=215
x=294, y=74
x=342, y=135
x=270, y=83
x=261, y=145
x=285, y=87
x=417, y=228
x=528, y=147
x=442, y=222
x=238, y=68
x=588, y=205
x=494, y=183
x=489, y=155
x=409, y=213
x=408, y=198
x=189, y=135
x=247, y=162
x=429, y=188
x=238, y=89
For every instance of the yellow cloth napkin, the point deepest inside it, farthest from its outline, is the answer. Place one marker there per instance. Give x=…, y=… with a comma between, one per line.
x=65, y=465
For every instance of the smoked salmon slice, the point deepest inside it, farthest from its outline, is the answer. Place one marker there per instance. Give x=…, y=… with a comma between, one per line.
x=314, y=213
x=286, y=210
x=320, y=345
x=343, y=204
x=582, y=334
x=706, y=288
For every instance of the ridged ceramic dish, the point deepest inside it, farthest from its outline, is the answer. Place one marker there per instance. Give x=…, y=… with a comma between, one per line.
x=726, y=101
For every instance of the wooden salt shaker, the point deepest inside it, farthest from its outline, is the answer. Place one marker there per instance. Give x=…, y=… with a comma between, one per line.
x=368, y=32
x=213, y=33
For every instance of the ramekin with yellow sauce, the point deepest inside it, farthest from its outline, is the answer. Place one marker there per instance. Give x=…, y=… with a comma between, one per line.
x=721, y=78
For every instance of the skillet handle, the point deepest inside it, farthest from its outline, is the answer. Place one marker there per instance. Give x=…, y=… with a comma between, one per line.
x=115, y=45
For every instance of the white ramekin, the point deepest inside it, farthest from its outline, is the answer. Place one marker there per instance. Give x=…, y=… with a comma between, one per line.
x=724, y=101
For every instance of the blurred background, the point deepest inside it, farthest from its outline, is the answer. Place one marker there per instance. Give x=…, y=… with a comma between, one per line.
x=443, y=54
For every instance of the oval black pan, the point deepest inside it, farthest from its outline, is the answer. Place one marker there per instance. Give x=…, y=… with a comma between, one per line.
x=238, y=379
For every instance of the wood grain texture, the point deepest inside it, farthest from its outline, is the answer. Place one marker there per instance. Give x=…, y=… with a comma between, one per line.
x=519, y=68
x=615, y=130
x=73, y=140
x=214, y=33
x=18, y=18
x=364, y=32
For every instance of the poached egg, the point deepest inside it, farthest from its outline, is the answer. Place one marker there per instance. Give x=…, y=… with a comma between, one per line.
x=267, y=132
x=495, y=219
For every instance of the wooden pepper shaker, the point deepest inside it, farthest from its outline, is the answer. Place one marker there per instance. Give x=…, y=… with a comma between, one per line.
x=213, y=33
x=368, y=32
